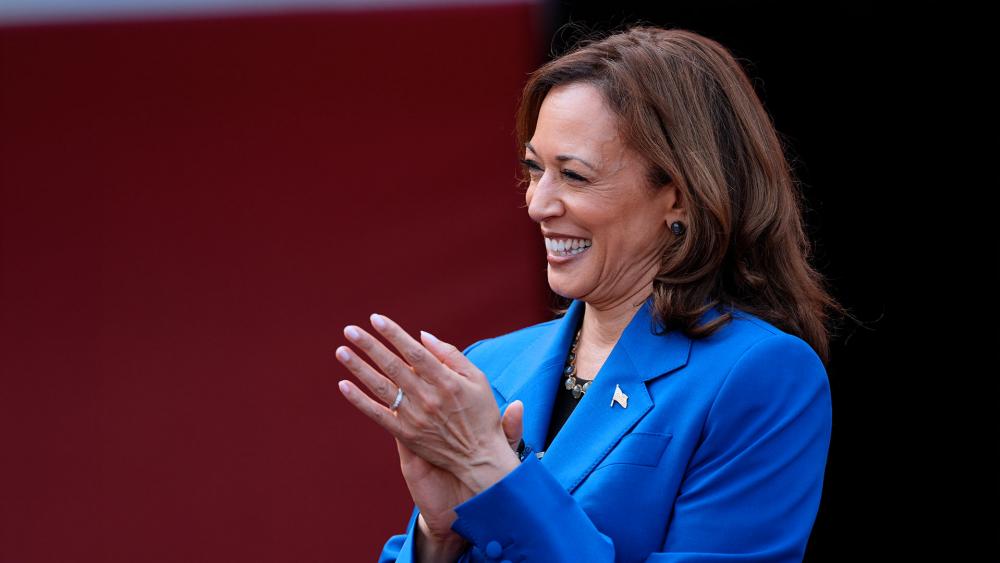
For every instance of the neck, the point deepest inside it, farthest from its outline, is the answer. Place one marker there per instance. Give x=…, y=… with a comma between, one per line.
x=603, y=323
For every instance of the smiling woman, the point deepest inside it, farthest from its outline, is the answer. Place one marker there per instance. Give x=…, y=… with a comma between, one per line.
x=611, y=210
x=678, y=406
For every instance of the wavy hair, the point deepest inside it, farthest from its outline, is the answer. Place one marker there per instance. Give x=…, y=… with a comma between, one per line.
x=687, y=107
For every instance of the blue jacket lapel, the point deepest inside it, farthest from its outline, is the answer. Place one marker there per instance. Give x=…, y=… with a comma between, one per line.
x=595, y=425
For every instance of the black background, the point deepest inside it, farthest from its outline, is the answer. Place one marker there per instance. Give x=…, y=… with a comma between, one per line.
x=874, y=105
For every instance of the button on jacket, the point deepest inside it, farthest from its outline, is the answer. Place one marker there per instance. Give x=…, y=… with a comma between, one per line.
x=719, y=454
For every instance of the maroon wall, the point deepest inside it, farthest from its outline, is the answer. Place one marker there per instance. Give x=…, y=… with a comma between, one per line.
x=190, y=213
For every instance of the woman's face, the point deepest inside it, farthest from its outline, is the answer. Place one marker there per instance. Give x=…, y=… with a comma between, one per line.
x=597, y=199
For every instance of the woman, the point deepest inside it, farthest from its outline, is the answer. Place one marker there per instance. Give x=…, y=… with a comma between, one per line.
x=691, y=355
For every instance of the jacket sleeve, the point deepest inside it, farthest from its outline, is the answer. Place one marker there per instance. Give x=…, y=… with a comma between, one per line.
x=399, y=548
x=529, y=516
x=750, y=493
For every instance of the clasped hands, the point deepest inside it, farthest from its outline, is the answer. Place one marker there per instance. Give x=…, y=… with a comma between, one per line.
x=451, y=440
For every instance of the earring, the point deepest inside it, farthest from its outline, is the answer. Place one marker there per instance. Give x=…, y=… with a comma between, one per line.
x=677, y=227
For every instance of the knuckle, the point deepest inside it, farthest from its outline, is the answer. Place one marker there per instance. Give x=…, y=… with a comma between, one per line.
x=415, y=354
x=392, y=370
x=434, y=403
x=451, y=387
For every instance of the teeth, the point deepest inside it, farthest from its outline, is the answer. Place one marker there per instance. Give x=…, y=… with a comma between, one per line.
x=567, y=247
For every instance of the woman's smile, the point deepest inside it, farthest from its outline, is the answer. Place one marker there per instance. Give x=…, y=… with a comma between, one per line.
x=560, y=251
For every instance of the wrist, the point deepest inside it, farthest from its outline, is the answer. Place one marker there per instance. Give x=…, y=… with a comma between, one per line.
x=431, y=548
x=481, y=475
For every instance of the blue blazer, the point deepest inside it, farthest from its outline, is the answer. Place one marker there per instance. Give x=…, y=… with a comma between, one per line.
x=718, y=454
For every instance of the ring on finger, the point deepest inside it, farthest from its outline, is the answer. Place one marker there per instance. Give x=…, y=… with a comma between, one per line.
x=399, y=399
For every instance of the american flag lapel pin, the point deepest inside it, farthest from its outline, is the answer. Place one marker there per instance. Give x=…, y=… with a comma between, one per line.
x=620, y=398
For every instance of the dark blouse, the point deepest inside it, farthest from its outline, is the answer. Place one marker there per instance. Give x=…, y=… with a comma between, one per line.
x=562, y=408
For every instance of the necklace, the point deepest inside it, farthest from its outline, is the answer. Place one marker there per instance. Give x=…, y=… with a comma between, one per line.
x=570, y=371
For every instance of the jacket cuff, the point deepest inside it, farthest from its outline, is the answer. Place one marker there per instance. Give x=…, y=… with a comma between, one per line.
x=406, y=550
x=526, y=515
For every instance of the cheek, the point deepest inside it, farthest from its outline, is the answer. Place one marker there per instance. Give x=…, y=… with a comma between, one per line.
x=634, y=236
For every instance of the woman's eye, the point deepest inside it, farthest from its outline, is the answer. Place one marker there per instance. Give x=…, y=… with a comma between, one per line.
x=533, y=167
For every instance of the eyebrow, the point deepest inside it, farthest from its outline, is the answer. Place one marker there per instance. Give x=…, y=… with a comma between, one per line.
x=563, y=157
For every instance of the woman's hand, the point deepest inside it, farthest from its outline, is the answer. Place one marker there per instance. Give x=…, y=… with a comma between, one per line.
x=436, y=492
x=448, y=416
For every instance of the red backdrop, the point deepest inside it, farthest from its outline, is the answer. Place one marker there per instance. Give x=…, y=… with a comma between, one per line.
x=190, y=213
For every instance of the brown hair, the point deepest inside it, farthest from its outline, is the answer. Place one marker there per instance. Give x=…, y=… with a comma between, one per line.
x=687, y=107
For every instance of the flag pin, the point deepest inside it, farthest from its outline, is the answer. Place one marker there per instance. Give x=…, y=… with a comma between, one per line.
x=620, y=398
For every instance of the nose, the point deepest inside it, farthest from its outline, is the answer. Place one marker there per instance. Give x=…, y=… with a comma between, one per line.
x=544, y=200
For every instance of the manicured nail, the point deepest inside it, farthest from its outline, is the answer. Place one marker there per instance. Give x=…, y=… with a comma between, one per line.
x=344, y=388
x=378, y=321
x=352, y=333
x=430, y=336
x=343, y=354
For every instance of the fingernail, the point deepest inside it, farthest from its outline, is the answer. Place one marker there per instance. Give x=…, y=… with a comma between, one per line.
x=430, y=336
x=378, y=321
x=344, y=388
x=342, y=354
x=352, y=333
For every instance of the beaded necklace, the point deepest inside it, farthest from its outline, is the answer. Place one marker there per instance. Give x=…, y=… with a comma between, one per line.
x=570, y=371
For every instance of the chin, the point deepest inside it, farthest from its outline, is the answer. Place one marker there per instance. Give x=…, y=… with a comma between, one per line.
x=562, y=291
x=562, y=294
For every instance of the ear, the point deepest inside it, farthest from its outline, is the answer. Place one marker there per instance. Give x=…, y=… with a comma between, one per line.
x=673, y=203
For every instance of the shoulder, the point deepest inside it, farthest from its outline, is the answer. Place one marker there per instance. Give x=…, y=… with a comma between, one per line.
x=513, y=340
x=495, y=352
x=757, y=363
x=747, y=338
x=772, y=397
x=752, y=361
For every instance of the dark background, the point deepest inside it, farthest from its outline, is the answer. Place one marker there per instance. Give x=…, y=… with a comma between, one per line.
x=877, y=106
